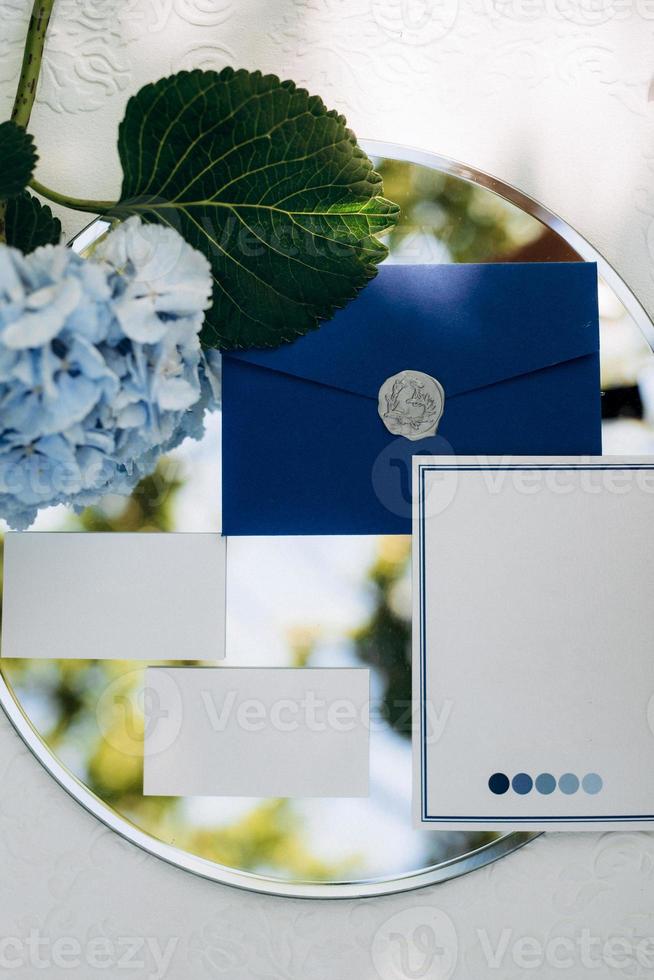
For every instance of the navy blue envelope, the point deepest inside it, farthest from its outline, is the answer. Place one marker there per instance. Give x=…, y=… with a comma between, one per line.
x=515, y=348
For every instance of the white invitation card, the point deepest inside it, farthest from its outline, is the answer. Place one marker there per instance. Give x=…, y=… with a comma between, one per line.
x=114, y=596
x=257, y=731
x=533, y=647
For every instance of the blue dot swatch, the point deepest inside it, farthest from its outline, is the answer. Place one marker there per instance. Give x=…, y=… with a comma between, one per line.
x=498, y=783
x=592, y=783
x=522, y=783
x=569, y=783
x=545, y=783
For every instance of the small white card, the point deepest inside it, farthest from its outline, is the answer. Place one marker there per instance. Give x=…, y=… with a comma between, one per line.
x=114, y=596
x=533, y=646
x=241, y=731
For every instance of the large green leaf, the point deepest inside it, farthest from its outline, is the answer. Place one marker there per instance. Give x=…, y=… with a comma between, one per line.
x=269, y=184
x=17, y=159
x=30, y=223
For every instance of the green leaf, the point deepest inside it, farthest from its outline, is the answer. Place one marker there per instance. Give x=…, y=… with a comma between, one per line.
x=269, y=184
x=18, y=157
x=30, y=223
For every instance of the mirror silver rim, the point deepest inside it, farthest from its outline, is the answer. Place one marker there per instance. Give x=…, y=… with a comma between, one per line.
x=243, y=879
x=364, y=888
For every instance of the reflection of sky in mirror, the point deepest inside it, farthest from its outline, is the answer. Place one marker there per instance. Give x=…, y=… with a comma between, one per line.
x=282, y=588
x=311, y=594
x=278, y=587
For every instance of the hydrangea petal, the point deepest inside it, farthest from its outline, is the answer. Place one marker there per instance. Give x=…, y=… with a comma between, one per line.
x=101, y=368
x=44, y=315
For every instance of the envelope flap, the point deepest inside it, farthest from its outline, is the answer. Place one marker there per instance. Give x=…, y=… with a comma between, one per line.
x=466, y=325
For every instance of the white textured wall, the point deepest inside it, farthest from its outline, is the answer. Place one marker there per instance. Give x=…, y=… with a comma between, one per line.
x=551, y=95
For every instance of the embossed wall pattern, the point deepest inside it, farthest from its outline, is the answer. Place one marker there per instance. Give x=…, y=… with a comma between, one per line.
x=554, y=96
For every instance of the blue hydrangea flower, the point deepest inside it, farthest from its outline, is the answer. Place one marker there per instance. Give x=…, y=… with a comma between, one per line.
x=101, y=368
x=159, y=278
x=160, y=290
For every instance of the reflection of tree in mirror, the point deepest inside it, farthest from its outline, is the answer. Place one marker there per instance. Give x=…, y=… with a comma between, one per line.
x=149, y=508
x=444, y=218
x=384, y=641
x=104, y=748
x=267, y=838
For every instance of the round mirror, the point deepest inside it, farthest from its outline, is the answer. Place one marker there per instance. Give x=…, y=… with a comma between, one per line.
x=312, y=601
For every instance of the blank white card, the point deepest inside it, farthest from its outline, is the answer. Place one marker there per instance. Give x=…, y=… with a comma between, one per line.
x=114, y=596
x=534, y=642
x=256, y=731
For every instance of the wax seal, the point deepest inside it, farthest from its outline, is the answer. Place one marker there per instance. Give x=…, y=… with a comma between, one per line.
x=411, y=404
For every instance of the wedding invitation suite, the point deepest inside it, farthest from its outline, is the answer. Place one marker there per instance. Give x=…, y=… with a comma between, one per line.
x=495, y=358
x=257, y=731
x=533, y=662
x=114, y=596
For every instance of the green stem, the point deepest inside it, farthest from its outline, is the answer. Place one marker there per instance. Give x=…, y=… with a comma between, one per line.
x=25, y=95
x=29, y=76
x=76, y=203
x=31, y=67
